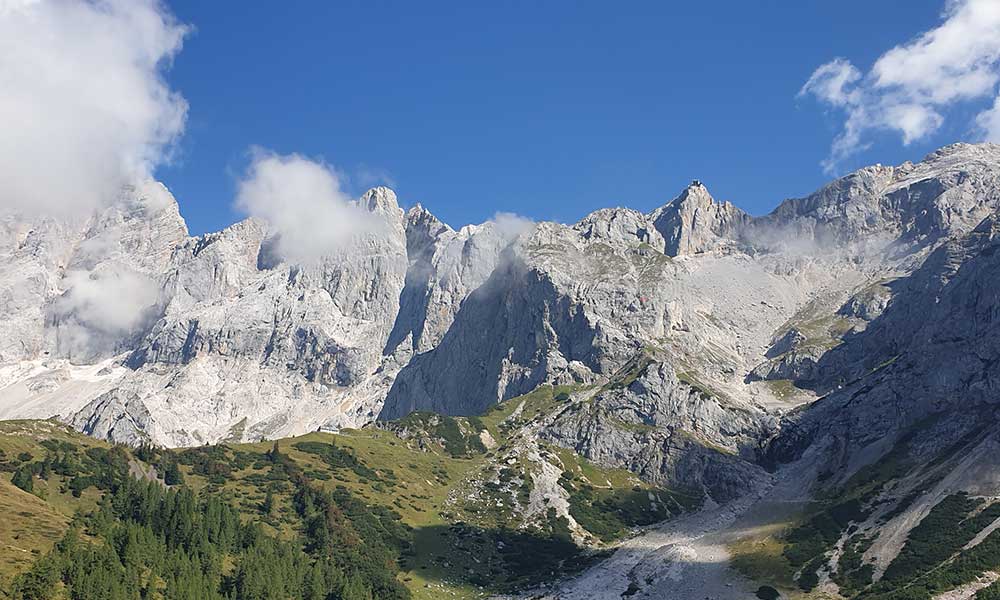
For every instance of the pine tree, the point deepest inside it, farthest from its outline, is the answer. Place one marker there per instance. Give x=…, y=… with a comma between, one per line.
x=23, y=479
x=268, y=505
x=172, y=475
x=355, y=589
x=315, y=588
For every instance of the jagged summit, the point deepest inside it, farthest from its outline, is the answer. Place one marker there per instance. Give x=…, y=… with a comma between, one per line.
x=381, y=200
x=694, y=222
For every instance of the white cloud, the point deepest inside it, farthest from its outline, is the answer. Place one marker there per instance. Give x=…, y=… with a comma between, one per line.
x=988, y=122
x=511, y=225
x=302, y=200
x=101, y=308
x=831, y=82
x=911, y=86
x=83, y=106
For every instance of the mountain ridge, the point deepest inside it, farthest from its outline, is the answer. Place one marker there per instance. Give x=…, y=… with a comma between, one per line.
x=422, y=280
x=822, y=378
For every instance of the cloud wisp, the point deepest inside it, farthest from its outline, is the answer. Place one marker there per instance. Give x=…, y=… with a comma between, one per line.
x=304, y=203
x=101, y=308
x=511, y=225
x=911, y=87
x=84, y=108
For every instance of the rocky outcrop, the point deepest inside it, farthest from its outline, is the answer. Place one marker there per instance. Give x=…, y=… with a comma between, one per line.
x=445, y=266
x=669, y=430
x=619, y=226
x=573, y=304
x=694, y=222
x=281, y=346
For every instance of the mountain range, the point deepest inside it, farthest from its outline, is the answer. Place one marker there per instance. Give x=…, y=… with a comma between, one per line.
x=824, y=377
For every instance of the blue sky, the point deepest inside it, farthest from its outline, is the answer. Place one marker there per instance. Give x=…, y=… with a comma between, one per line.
x=546, y=109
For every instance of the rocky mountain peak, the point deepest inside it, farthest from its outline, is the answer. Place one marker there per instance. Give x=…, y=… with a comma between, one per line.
x=964, y=151
x=696, y=193
x=694, y=222
x=381, y=200
x=419, y=219
x=151, y=198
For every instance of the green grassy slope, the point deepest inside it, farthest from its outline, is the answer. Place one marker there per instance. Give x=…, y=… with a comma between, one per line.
x=457, y=488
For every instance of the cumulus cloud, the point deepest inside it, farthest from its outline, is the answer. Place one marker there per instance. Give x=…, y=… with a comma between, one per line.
x=101, y=308
x=84, y=108
x=834, y=82
x=910, y=87
x=511, y=225
x=303, y=201
x=988, y=122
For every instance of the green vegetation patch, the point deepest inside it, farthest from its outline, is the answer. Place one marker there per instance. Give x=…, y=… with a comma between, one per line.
x=945, y=530
x=933, y=560
x=499, y=559
x=821, y=328
x=508, y=415
x=761, y=558
x=155, y=542
x=853, y=574
x=805, y=547
x=139, y=538
x=610, y=516
x=611, y=502
x=458, y=436
x=783, y=389
x=336, y=457
x=766, y=592
x=692, y=380
x=809, y=542
x=362, y=513
x=630, y=371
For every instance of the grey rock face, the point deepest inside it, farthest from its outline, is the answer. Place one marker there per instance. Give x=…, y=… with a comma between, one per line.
x=867, y=304
x=572, y=304
x=62, y=282
x=500, y=343
x=934, y=348
x=671, y=432
x=788, y=341
x=235, y=343
x=619, y=226
x=623, y=293
x=278, y=348
x=444, y=267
